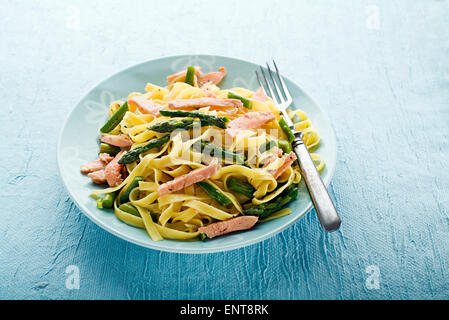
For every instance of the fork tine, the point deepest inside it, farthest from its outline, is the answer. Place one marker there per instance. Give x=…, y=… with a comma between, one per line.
x=268, y=85
x=284, y=87
x=278, y=91
x=260, y=82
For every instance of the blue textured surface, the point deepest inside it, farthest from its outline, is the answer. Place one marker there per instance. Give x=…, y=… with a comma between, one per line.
x=382, y=81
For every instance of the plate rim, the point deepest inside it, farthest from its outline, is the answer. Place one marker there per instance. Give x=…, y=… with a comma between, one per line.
x=153, y=245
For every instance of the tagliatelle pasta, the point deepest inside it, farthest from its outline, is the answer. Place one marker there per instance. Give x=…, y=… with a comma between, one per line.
x=184, y=173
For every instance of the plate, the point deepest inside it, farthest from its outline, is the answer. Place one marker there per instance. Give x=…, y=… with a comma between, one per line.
x=78, y=145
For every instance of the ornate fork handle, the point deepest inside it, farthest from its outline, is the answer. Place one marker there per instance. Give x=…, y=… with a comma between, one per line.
x=324, y=206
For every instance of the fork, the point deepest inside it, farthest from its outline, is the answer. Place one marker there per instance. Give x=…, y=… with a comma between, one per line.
x=322, y=202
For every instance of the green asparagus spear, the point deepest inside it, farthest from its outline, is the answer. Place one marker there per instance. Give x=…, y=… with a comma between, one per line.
x=219, y=122
x=133, y=155
x=285, y=145
x=107, y=148
x=134, y=184
x=214, y=193
x=190, y=75
x=107, y=201
x=248, y=103
x=202, y=236
x=241, y=187
x=288, y=132
x=265, y=209
x=172, y=125
x=216, y=151
x=115, y=119
x=129, y=208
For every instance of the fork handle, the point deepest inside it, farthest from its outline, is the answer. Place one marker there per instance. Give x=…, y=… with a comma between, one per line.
x=325, y=209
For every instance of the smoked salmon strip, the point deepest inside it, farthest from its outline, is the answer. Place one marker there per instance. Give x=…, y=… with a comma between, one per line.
x=105, y=157
x=188, y=179
x=182, y=74
x=291, y=157
x=145, y=106
x=113, y=171
x=260, y=95
x=121, y=140
x=267, y=162
x=249, y=120
x=96, y=165
x=235, y=224
x=205, y=102
x=213, y=77
x=98, y=177
x=92, y=166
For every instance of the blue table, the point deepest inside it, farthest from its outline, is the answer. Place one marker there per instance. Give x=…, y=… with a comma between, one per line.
x=379, y=68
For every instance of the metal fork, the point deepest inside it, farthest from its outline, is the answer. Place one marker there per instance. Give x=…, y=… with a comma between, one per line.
x=324, y=207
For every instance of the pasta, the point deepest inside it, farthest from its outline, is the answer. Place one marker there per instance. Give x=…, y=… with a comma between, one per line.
x=181, y=159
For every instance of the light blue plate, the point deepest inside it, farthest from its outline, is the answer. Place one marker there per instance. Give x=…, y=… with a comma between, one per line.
x=78, y=144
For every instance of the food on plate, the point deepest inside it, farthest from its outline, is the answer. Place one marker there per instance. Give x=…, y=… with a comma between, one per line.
x=190, y=160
